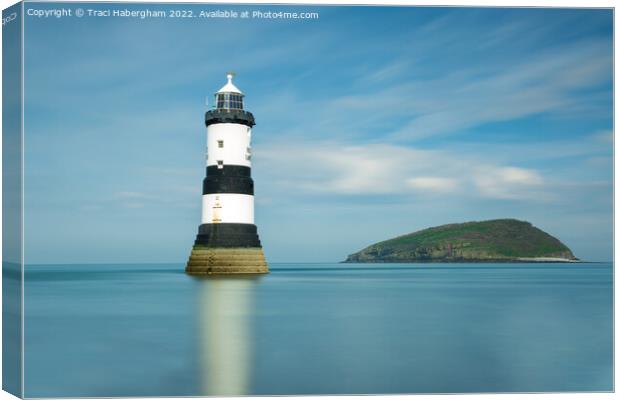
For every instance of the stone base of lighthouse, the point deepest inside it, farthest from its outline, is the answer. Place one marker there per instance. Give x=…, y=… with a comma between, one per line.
x=222, y=260
x=227, y=249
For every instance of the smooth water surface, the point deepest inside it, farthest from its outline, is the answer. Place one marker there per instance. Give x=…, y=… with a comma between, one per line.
x=146, y=330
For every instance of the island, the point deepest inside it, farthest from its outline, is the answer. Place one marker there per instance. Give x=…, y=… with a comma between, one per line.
x=500, y=240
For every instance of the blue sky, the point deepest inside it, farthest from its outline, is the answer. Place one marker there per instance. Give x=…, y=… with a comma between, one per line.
x=371, y=122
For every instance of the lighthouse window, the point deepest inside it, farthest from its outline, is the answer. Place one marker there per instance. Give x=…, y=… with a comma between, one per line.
x=230, y=101
x=236, y=102
x=220, y=144
x=220, y=164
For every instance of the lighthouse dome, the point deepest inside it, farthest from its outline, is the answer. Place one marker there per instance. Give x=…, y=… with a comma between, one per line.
x=229, y=97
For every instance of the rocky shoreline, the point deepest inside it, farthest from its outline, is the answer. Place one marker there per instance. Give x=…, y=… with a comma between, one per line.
x=522, y=260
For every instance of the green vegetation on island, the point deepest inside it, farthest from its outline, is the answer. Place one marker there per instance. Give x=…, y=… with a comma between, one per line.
x=500, y=240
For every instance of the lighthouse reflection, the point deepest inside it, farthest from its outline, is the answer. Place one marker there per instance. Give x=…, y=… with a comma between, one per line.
x=225, y=309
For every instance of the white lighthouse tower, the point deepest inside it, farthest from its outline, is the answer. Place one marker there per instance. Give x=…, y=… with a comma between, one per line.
x=227, y=241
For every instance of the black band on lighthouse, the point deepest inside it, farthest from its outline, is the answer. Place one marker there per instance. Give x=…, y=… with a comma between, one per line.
x=221, y=116
x=229, y=179
x=228, y=235
x=228, y=184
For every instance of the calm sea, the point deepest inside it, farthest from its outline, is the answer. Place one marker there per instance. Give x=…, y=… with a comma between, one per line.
x=151, y=330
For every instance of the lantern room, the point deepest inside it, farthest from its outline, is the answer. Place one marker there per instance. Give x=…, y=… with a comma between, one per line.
x=229, y=97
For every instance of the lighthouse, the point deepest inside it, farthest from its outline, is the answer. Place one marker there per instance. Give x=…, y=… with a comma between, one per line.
x=227, y=240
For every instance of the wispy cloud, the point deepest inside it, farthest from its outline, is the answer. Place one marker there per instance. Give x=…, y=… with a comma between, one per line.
x=459, y=101
x=508, y=183
x=380, y=169
x=433, y=184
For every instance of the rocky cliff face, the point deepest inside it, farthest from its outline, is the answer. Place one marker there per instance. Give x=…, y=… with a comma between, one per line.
x=485, y=241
